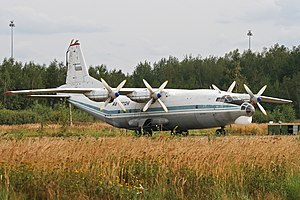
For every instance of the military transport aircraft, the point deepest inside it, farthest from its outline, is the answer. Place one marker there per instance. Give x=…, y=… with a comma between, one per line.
x=148, y=109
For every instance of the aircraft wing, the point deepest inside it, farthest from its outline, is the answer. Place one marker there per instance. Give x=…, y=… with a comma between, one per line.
x=49, y=96
x=50, y=91
x=274, y=100
x=125, y=91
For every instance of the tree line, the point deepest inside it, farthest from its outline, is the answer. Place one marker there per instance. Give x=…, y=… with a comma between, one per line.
x=277, y=66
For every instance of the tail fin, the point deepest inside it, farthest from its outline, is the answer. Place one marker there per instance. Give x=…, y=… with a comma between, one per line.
x=78, y=75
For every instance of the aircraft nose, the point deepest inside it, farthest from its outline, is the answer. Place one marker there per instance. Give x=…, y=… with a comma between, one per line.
x=248, y=108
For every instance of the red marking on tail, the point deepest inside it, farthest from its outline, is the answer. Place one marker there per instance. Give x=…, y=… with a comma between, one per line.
x=7, y=92
x=76, y=43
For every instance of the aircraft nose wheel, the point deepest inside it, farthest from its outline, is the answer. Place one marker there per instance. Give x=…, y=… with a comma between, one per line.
x=221, y=131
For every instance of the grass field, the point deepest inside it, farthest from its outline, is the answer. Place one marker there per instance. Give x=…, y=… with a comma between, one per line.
x=96, y=161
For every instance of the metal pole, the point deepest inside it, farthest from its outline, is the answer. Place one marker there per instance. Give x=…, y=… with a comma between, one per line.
x=12, y=25
x=249, y=42
x=249, y=34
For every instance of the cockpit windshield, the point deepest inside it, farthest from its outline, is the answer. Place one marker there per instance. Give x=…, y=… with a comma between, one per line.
x=230, y=99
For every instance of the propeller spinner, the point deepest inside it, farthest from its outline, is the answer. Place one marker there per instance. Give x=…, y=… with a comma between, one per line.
x=155, y=95
x=113, y=94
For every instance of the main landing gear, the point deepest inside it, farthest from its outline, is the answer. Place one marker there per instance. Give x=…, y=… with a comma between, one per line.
x=221, y=131
x=180, y=132
x=144, y=132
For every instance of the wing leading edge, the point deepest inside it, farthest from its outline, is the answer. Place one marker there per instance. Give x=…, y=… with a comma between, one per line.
x=51, y=91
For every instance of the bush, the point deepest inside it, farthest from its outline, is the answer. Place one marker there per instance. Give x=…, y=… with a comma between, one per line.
x=43, y=115
x=17, y=117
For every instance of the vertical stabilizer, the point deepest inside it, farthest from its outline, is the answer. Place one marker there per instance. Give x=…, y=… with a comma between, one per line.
x=78, y=75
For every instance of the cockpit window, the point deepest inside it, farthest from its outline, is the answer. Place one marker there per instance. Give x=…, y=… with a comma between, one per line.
x=230, y=99
x=226, y=99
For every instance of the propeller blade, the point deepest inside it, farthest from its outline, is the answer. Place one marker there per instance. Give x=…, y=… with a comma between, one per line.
x=231, y=87
x=215, y=87
x=261, y=108
x=148, y=104
x=121, y=105
x=163, y=105
x=106, y=85
x=148, y=86
x=162, y=86
x=248, y=91
x=121, y=85
x=106, y=102
x=261, y=90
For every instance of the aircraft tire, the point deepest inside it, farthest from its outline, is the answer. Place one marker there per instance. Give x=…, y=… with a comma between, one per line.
x=220, y=131
x=138, y=133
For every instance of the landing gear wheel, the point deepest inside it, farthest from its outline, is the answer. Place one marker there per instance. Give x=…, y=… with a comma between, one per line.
x=180, y=132
x=138, y=132
x=148, y=132
x=185, y=133
x=221, y=131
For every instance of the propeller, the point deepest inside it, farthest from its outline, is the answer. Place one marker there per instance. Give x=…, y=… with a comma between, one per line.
x=230, y=89
x=255, y=99
x=155, y=95
x=216, y=88
x=113, y=94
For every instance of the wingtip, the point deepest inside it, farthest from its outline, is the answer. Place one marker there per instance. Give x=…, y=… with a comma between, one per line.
x=7, y=92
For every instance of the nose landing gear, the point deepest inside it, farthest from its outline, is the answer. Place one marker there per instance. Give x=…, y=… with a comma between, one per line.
x=221, y=131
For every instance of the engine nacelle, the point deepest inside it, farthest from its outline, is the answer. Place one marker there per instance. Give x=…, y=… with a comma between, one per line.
x=140, y=96
x=97, y=95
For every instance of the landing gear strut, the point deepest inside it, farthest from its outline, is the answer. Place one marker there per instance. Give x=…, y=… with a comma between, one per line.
x=221, y=131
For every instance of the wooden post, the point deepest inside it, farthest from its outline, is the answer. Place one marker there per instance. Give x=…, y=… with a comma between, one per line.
x=70, y=109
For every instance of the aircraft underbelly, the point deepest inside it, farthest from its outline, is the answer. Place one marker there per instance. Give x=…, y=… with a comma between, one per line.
x=214, y=119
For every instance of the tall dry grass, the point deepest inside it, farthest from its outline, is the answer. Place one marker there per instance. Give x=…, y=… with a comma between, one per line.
x=200, y=154
x=163, y=167
x=250, y=129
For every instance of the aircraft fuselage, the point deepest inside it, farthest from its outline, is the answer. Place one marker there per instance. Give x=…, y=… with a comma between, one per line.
x=188, y=109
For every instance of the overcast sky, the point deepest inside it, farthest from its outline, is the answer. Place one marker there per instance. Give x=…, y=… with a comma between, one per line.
x=122, y=33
